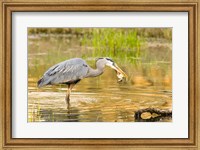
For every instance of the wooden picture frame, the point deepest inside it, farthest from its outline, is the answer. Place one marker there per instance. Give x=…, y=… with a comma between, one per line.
x=7, y=7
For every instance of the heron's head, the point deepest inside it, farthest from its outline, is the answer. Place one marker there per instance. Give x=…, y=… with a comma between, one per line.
x=110, y=63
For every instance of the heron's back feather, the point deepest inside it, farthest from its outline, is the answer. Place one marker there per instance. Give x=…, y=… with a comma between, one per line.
x=67, y=71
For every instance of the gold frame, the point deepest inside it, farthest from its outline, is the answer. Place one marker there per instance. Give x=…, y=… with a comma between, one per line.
x=9, y=6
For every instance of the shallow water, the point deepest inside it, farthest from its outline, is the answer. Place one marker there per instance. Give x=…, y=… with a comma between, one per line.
x=111, y=103
x=99, y=99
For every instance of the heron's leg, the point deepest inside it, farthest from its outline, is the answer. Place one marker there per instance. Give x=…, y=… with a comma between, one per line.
x=68, y=95
x=67, y=98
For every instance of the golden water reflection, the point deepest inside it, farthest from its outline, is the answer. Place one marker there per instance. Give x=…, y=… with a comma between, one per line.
x=111, y=103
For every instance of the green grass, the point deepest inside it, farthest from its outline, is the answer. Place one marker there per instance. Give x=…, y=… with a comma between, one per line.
x=165, y=33
x=120, y=44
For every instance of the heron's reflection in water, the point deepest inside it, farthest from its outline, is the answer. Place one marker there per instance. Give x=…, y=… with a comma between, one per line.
x=48, y=115
x=72, y=115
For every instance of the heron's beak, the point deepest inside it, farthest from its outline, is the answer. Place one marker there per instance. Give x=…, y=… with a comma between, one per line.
x=119, y=70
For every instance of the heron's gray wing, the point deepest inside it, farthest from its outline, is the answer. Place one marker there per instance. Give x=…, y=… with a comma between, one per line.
x=67, y=71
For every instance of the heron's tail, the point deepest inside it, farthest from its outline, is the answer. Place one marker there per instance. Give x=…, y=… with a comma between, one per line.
x=40, y=82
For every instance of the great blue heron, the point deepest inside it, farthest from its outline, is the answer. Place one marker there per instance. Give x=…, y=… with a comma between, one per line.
x=73, y=70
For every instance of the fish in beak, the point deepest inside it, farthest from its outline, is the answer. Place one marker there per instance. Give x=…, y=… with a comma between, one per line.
x=120, y=73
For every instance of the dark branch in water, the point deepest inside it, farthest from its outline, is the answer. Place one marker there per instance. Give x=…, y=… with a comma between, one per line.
x=161, y=114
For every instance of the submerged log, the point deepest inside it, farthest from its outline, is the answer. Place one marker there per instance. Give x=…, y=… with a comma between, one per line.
x=160, y=113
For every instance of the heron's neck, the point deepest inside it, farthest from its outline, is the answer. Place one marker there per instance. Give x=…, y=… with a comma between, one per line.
x=96, y=72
